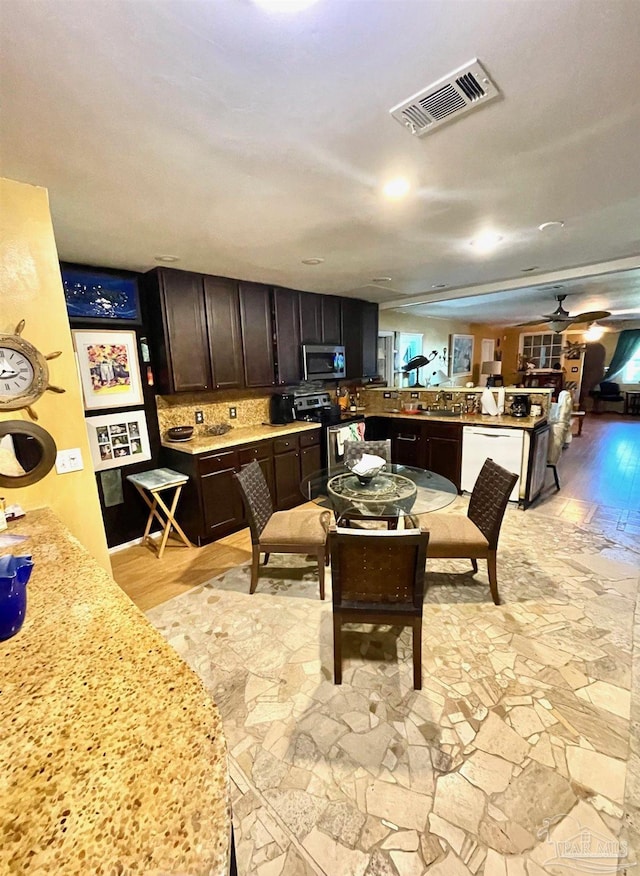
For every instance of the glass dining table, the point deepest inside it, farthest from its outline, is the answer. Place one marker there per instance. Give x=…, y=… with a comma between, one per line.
x=396, y=490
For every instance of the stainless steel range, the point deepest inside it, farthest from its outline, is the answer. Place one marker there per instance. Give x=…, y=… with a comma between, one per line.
x=317, y=407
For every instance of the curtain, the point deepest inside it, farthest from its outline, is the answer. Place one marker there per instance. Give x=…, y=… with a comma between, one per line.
x=628, y=345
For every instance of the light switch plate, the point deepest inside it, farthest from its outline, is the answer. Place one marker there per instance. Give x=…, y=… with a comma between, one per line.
x=233, y=413
x=69, y=460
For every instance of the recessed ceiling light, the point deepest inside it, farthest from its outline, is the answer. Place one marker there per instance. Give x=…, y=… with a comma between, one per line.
x=396, y=188
x=167, y=258
x=528, y=270
x=284, y=5
x=554, y=225
x=312, y=261
x=381, y=280
x=439, y=286
x=486, y=242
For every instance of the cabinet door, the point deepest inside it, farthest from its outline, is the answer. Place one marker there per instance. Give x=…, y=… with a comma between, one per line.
x=223, y=322
x=331, y=307
x=262, y=453
x=187, y=348
x=407, y=444
x=310, y=318
x=287, y=478
x=444, y=458
x=257, y=336
x=369, y=339
x=221, y=503
x=287, y=330
x=309, y=461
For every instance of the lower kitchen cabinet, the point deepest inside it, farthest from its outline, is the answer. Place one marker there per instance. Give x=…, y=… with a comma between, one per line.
x=407, y=443
x=430, y=445
x=210, y=505
x=443, y=444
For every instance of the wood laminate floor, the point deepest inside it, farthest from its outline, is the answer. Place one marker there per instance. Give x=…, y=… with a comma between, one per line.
x=599, y=473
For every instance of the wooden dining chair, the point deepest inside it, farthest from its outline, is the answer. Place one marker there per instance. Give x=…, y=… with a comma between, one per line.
x=378, y=578
x=300, y=531
x=453, y=536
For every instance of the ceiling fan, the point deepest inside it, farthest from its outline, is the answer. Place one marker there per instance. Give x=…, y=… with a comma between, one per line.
x=561, y=319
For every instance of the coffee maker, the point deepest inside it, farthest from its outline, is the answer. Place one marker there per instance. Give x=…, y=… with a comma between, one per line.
x=281, y=409
x=520, y=406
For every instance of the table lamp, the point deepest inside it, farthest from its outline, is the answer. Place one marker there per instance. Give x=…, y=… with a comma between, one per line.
x=491, y=369
x=418, y=362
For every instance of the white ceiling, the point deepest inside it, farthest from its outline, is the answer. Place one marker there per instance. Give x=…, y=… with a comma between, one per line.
x=244, y=142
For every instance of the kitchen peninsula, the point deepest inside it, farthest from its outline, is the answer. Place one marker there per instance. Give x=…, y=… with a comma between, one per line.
x=115, y=754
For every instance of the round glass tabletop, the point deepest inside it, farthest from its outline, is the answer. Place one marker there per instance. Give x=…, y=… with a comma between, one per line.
x=397, y=489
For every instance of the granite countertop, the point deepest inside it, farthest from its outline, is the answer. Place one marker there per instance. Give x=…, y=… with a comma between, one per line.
x=113, y=755
x=242, y=435
x=505, y=421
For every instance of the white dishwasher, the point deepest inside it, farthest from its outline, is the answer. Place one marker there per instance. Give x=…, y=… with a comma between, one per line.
x=503, y=446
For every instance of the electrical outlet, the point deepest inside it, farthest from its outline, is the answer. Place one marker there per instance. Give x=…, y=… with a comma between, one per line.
x=233, y=413
x=448, y=396
x=415, y=395
x=199, y=417
x=69, y=460
x=386, y=395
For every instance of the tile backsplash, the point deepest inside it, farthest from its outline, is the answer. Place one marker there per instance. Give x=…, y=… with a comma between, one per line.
x=252, y=409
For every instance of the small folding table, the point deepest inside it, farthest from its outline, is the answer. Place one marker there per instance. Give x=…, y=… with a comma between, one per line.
x=153, y=483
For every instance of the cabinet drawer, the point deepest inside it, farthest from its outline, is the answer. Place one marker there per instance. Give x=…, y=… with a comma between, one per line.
x=310, y=439
x=284, y=445
x=444, y=430
x=263, y=450
x=212, y=462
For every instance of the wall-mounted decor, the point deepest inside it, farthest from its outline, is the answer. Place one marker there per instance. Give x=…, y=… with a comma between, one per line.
x=93, y=295
x=461, y=355
x=109, y=370
x=24, y=373
x=118, y=439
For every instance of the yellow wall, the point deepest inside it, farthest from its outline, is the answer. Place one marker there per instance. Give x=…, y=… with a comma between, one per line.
x=436, y=335
x=31, y=289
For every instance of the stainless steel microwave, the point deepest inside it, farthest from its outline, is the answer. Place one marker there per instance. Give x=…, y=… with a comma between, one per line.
x=323, y=362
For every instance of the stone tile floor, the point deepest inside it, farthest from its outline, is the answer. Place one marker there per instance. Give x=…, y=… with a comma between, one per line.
x=518, y=757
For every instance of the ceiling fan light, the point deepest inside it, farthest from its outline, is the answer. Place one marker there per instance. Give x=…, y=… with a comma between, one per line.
x=558, y=325
x=594, y=332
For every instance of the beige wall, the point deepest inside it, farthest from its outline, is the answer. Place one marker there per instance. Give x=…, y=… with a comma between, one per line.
x=436, y=335
x=31, y=289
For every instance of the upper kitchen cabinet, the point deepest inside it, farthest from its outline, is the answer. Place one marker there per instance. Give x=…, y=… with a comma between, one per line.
x=320, y=319
x=360, y=337
x=257, y=336
x=178, y=330
x=286, y=312
x=223, y=329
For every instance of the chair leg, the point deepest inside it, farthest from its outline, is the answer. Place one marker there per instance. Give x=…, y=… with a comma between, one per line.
x=474, y=564
x=417, y=653
x=337, y=649
x=321, y=564
x=255, y=562
x=266, y=558
x=555, y=477
x=493, y=577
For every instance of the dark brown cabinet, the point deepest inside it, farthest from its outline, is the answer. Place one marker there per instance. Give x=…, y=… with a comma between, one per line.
x=407, y=443
x=223, y=332
x=210, y=504
x=443, y=444
x=257, y=336
x=310, y=459
x=360, y=337
x=177, y=330
x=320, y=318
x=286, y=467
x=431, y=445
x=286, y=313
x=331, y=319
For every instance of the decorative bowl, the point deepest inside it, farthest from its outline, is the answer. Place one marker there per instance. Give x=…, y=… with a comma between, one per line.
x=179, y=433
x=219, y=428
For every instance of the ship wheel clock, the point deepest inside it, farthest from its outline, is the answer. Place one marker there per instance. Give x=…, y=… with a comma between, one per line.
x=24, y=373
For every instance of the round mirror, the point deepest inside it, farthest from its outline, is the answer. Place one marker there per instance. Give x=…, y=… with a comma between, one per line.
x=27, y=453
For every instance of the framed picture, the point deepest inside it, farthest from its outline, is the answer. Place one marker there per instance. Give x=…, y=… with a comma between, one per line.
x=118, y=439
x=94, y=295
x=109, y=369
x=461, y=361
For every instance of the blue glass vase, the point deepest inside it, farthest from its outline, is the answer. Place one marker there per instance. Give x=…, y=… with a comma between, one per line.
x=14, y=575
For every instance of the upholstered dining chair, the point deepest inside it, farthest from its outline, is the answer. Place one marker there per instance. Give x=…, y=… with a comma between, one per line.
x=559, y=432
x=301, y=531
x=378, y=578
x=474, y=536
x=354, y=450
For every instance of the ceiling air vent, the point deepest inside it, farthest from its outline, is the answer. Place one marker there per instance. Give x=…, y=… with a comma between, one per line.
x=464, y=90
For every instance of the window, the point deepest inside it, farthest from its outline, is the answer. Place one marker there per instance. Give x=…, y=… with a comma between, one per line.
x=543, y=350
x=631, y=372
